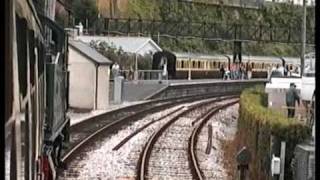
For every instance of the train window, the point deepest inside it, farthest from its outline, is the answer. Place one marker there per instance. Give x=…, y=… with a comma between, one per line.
x=193, y=64
x=218, y=64
x=182, y=64
x=252, y=65
x=214, y=65
x=262, y=66
x=199, y=64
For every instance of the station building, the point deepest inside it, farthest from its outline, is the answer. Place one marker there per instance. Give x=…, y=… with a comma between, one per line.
x=89, y=77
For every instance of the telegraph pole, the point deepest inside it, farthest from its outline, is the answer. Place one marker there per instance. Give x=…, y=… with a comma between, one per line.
x=303, y=36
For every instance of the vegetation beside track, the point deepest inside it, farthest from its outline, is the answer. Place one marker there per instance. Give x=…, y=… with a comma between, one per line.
x=257, y=124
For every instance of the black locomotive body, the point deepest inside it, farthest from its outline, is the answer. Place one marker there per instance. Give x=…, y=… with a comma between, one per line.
x=165, y=57
x=36, y=83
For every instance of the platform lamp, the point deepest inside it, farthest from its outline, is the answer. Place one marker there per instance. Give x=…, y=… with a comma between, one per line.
x=189, y=71
x=303, y=36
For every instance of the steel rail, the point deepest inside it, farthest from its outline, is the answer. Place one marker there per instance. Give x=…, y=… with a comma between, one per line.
x=145, y=155
x=197, y=173
x=126, y=139
x=91, y=128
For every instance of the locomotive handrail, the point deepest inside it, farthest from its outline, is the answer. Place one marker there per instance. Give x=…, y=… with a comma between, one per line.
x=57, y=58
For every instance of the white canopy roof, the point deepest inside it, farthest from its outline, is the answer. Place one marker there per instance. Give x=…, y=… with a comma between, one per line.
x=139, y=45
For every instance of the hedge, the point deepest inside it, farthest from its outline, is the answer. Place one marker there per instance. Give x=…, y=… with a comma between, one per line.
x=257, y=124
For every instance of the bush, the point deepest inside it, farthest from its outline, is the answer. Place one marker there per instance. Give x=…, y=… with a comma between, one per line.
x=257, y=124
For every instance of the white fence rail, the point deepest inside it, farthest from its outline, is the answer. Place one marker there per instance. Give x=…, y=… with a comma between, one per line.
x=144, y=75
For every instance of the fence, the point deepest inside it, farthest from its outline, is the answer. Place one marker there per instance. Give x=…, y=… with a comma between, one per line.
x=143, y=75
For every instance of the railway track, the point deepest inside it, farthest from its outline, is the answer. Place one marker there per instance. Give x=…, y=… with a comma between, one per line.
x=84, y=134
x=170, y=152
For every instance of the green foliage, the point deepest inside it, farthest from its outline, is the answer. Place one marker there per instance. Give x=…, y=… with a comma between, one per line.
x=144, y=9
x=124, y=59
x=258, y=123
x=85, y=9
x=274, y=14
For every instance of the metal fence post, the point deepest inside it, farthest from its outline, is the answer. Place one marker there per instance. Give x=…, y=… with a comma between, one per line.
x=282, y=159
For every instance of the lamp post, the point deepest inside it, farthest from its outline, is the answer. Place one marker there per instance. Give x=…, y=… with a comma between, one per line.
x=303, y=36
x=189, y=71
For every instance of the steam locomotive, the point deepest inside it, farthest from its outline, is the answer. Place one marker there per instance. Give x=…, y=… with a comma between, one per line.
x=36, y=96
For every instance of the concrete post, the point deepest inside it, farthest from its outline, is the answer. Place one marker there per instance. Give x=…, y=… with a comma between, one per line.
x=136, y=73
x=118, y=89
x=282, y=159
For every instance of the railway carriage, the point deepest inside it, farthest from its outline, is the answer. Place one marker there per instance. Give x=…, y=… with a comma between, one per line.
x=203, y=66
x=36, y=96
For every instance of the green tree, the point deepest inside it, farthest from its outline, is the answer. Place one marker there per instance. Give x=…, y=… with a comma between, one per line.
x=85, y=9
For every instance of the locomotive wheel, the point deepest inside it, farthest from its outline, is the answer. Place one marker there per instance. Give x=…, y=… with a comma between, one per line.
x=57, y=148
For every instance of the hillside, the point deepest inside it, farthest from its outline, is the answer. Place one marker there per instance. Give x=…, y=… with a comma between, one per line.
x=270, y=14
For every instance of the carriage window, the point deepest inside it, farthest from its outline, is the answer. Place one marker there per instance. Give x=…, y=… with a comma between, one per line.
x=199, y=64
x=262, y=65
x=193, y=64
x=214, y=65
x=182, y=64
x=218, y=64
x=252, y=65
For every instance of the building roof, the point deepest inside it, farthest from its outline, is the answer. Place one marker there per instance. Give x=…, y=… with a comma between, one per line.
x=274, y=59
x=89, y=52
x=139, y=45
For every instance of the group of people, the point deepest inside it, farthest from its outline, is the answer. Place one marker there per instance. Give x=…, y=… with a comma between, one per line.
x=117, y=71
x=284, y=70
x=236, y=71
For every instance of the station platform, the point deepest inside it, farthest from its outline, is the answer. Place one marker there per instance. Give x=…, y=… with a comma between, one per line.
x=136, y=92
x=146, y=89
x=77, y=117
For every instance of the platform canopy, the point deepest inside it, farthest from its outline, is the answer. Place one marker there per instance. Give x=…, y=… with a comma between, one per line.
x=139, y=45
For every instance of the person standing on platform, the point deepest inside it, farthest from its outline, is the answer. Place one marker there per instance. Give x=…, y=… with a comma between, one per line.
x=241, y=71
x=286, y=70
x=131, y=71
x=280, y=69
x=115, y=69
x=222, y=71
x=232, y=71
x=291, y=98
x=249, y=70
